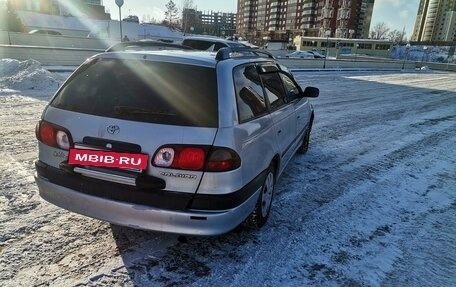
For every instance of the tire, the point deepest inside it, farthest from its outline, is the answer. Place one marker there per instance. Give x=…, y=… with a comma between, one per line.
x=260, y=214
x=305, y=143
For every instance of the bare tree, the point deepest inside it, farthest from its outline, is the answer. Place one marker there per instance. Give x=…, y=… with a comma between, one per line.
x=187, y=5
x=397, y=36
x=380, y=31
x=145, y=18
x=171, y=13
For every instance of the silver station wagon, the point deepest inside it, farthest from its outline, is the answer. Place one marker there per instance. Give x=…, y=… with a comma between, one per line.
x=188, y=142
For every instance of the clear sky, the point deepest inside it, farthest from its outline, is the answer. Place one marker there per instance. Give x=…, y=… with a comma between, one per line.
x=397, y=14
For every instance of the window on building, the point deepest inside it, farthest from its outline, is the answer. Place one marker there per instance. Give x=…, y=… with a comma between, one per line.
x=382, y=47
x=364, y=46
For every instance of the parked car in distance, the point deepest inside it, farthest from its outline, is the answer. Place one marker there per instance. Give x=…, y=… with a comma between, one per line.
x=300, y=55
x=188, y=142
x=210, y=43
x=316, y=54
x=45, y=32
x=131, y=18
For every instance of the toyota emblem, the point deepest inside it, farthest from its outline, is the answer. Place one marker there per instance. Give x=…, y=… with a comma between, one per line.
x=113, y=129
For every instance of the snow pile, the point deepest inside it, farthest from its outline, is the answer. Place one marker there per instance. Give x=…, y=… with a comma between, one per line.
x=423, y=53
x=26, y=75
x=85, y=27
x=44, y=21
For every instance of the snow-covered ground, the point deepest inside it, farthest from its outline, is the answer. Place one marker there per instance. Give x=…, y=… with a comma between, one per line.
x=373, y=203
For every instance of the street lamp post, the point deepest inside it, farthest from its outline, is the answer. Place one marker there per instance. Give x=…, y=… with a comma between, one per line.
x=424, y=54
x=120, y=3
x=356, y=51
x=327, y=33
x=407, y=47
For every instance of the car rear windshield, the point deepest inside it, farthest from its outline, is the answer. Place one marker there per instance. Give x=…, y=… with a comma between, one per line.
x=155, y=92
x=199, y=44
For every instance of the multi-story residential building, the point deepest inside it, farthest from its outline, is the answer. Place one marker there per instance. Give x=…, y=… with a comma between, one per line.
x=93, y=9
x=436, y=21
x=210, y=23
x=280, y=19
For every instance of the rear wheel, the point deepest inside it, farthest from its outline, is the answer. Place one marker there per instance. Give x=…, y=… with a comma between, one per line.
x=260, y=214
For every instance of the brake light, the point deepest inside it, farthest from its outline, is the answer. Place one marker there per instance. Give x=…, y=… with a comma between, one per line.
x=191, y=158
x=180, y=157
x=47, y=134
x=53, y=135
x=197, y=158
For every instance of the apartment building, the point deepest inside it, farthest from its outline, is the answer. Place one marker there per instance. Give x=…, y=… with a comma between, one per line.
x=436, y=21
x=282, y=19
x=208, y=22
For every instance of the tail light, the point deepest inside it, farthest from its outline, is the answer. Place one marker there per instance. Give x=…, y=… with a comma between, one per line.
x=223, y=159
x=197, y=158
x=53, y=135
x=191, y=158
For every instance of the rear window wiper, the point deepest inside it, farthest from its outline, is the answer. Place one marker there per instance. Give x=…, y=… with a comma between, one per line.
x=125, y=110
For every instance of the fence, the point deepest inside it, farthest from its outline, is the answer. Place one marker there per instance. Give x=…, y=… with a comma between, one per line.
x=25, y=39
x=62, y=50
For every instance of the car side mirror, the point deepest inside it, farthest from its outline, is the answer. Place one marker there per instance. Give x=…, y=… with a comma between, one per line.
x=310, y=92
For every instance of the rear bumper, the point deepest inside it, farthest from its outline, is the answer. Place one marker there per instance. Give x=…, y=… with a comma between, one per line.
x=191, y=222
x=148, y=194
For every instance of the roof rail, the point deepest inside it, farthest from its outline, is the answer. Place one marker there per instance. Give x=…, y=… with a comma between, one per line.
x=145, y=45
x=226, y=53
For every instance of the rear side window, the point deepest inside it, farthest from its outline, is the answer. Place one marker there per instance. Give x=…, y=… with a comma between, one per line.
x=249, y=93
x=155, y=92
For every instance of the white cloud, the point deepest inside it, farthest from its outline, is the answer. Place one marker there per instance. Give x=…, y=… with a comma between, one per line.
x=390, y=3
x=396, y=13
x=404, y=14
x=156, y=13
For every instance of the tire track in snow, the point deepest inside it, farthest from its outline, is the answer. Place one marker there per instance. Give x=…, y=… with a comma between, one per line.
x=334, y=188
x=422, y=252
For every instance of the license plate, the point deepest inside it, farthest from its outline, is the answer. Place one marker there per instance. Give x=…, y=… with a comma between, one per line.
x=108, y=159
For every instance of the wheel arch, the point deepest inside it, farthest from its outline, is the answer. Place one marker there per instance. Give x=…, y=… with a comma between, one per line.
x=275, y=164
